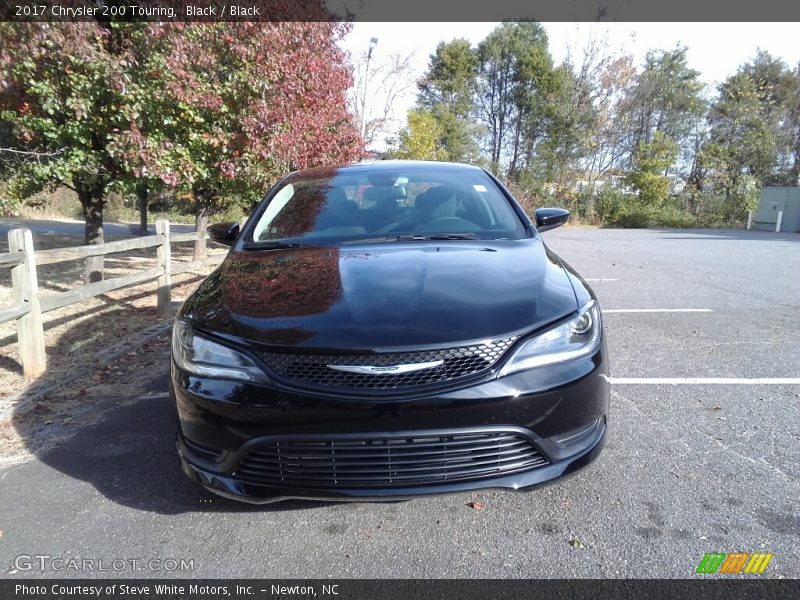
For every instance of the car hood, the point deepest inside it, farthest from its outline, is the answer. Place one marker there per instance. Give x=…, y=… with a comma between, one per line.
x=383, y=296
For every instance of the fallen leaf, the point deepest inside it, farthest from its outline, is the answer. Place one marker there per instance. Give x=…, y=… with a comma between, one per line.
x=475, y=505
x=717, y=408
x=576, y=543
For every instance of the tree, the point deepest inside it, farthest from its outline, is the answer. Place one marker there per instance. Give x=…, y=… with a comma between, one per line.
x=778, y=90
x=224, y=109
x=794, y=124
x=601, y=80
x=420, y=140
x=569, y=126
x=651, y=161
x=794, y=127
x=447, y=91
x=741, y=152
x=666, y=97
x=63, y=89
x=740, y=138
x=515, y=85
x=495, y=98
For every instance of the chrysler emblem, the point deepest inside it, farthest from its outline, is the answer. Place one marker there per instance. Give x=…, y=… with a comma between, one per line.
x=386, y=370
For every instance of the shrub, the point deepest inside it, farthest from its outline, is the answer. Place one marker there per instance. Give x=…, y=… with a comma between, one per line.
x=608, y=204
x=673, y=218
x=641, y=217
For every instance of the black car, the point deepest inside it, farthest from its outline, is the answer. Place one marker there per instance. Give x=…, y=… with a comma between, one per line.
x=383, y=330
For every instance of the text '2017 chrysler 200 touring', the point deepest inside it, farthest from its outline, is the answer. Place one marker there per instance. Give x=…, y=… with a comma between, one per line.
x=384, y=330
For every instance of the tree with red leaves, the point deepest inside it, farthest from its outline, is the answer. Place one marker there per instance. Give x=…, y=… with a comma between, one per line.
x=224, y=109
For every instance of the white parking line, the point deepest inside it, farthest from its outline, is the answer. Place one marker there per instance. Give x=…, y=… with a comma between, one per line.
x=657, y=310
x=705, y=381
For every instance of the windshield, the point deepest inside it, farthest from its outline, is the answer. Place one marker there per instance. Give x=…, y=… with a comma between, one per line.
x=401, y=204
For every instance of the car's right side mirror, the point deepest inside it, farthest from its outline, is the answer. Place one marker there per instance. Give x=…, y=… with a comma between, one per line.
x=550, y=218
x=224, y=233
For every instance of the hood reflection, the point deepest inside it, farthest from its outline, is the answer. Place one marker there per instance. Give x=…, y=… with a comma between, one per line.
x=303, y=282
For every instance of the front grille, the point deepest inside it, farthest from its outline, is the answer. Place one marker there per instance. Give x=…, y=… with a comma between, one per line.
x=390, y=462
x=457, y=363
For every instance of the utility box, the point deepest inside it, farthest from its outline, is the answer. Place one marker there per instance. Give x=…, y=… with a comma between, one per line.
x=775, y=200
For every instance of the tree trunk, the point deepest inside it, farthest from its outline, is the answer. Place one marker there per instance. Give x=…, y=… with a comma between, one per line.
x=142, y=195
x=200, y=226
x=92, y=202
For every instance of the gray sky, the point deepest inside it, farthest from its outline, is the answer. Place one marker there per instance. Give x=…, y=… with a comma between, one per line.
x=714, y=49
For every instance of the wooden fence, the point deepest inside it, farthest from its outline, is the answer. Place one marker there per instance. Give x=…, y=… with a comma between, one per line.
x=29, y=305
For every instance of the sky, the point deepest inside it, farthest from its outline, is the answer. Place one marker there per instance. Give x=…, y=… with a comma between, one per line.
x=716, y=50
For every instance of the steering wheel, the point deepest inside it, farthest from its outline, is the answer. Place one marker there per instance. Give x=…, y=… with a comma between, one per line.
x=442, y=224
x=386, y=228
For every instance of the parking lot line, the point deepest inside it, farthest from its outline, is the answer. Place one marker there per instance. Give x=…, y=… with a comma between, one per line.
x=705, y=380
x=657, y=310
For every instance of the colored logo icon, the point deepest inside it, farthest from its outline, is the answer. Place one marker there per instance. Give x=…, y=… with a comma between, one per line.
x=735, y=562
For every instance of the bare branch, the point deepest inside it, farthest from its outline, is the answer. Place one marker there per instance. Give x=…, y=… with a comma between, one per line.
x=32, y=153
x=378, y=85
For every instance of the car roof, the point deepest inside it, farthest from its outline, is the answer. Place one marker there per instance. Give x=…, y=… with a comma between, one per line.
x=382, y=165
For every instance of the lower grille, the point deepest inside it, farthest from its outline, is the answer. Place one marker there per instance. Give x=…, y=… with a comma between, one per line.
x=203, y=450
x=390, y=462
x=454, y=363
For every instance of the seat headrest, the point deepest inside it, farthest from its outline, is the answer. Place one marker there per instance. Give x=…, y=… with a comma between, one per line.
x=377, y=193
x=372, y=194
x=385, y=204
x=434, y=197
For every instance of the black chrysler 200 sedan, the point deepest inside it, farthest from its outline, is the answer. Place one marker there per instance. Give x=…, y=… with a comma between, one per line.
x=383, y=330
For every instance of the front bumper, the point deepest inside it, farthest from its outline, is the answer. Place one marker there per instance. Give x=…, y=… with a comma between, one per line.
x=561, y=410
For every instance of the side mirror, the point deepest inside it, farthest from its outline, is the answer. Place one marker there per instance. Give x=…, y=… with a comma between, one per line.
x=550, y=218
x=224, y=233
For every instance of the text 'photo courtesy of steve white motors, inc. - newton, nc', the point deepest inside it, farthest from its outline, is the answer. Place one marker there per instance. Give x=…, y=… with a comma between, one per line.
x=170, y=589
x=136, y=11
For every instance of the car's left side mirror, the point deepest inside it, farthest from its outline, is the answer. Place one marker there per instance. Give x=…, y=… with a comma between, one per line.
x=224, y=233
x=550, y=218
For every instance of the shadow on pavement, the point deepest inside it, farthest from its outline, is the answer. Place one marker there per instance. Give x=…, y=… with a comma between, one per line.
x=130, y=458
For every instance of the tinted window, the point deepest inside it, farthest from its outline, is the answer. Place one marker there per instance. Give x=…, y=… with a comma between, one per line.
x=366, y=204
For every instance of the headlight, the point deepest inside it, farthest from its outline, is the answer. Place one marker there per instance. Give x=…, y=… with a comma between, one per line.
x=200, y=356
x=577, y=337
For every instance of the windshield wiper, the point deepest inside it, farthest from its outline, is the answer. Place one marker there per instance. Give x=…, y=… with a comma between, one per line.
x=436, y=236
x=372, y=240
x=273, y=245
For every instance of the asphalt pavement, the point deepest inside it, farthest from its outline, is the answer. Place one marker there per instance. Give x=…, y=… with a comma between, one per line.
x=688, y=467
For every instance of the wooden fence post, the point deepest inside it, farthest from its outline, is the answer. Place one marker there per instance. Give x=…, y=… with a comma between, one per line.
x=30, y=331
x=165, y=279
